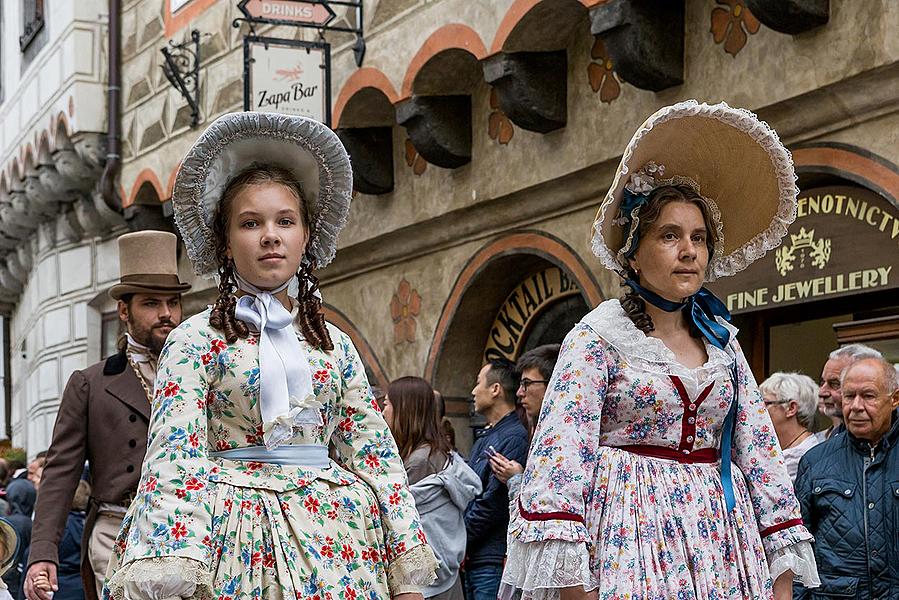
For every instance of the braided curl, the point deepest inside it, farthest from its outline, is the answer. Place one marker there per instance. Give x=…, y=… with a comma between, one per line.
x=635, y=306
x=310, y=317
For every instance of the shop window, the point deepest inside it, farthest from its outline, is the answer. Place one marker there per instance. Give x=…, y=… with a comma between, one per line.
x=110, y=330
x=32, y=22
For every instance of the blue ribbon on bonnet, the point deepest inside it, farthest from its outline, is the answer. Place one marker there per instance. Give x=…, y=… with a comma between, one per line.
x=701, y=308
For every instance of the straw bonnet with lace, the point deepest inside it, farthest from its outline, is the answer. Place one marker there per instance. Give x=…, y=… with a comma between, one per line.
x=735, y=161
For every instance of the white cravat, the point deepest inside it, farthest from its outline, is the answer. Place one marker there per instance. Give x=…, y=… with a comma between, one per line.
x=286, y=397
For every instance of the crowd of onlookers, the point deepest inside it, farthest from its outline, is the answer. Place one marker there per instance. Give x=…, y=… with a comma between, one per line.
x=19, y=486
x=846, y=475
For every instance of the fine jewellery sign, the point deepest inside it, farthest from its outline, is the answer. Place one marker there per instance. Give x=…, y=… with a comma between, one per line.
x=845, y=240
x=522, y=307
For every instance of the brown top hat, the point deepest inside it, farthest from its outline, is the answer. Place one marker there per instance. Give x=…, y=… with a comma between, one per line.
x=148, y=263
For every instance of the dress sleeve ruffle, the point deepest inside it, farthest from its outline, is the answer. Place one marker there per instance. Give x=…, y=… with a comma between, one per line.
x=412, y=570
x=541, y=569
x=163, y=578
x=798, y=558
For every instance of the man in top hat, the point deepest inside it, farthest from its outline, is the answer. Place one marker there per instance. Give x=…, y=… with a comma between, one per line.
x=104, y=416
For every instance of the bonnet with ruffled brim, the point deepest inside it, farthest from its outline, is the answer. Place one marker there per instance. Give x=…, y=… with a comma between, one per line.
x=305, y=147
x=734, y=160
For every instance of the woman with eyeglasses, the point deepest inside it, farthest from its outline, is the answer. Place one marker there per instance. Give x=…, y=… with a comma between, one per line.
x=791, y=400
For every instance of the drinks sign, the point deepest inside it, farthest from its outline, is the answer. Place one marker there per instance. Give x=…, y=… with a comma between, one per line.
x=289, y=77
x=845, y=240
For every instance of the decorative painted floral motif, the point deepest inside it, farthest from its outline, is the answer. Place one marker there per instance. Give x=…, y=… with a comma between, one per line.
x=731, y=25
x=404, y=308
x=270, y=531
x=649, y=528
x=499, y=127
x=414, y=159
x=600, y=74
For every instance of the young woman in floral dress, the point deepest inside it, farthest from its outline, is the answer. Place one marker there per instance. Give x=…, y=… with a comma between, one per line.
x=238, y=498
x=655, y=472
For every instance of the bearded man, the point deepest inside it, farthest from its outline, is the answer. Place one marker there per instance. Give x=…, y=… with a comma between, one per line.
x=104, y=416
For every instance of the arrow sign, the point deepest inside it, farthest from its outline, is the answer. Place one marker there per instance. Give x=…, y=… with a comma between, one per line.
x=288, y=11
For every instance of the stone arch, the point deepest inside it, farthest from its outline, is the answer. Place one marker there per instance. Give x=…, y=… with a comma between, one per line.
x=146, y=189
x=366, y=353
x=848, y=162
x=364, y=84
x=480, y=289
x=448, y=45
x=523, y=27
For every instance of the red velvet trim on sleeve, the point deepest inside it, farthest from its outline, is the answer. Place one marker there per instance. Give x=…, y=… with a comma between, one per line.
x=780, y=526
x=550, y=516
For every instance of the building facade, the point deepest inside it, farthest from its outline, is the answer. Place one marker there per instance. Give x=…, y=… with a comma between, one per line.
x=483, y=137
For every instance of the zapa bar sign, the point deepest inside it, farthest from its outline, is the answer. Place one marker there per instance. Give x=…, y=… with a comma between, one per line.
x=290, y=77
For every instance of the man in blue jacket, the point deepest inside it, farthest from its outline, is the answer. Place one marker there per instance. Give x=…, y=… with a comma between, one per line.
x=848, y=489
x=487, y=516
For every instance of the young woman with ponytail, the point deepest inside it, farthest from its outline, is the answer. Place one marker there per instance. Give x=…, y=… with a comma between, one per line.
x=238, y=496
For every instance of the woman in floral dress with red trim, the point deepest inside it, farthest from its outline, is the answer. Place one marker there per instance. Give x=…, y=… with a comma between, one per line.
x=626, y=495
x=238, y=497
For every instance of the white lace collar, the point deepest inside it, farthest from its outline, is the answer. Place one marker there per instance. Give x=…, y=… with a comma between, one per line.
x=612, y=324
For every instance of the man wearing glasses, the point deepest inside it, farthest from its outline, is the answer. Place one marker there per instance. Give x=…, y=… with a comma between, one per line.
x=536, y=367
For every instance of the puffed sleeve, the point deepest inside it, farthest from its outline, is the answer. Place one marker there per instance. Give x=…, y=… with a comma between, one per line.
x=756, y=452
x=548, y=539
x=163, y=547
x=365, y=445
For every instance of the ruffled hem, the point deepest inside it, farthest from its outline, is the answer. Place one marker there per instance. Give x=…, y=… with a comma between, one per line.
x=412, y=570
x=540, y=570
x=162, y=578
x=285, y=427
x=799, y=558
x=524, y=530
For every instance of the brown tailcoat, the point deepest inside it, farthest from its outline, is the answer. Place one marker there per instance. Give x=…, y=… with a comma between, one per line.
x=103, y=418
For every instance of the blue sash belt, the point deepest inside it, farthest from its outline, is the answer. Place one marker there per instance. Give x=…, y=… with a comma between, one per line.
x=312, y=456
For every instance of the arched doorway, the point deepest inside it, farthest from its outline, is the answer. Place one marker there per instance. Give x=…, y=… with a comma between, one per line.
x=517, y=292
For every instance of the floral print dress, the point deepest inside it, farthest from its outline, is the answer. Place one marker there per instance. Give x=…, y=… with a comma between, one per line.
x=636, y=523
x=250, y=530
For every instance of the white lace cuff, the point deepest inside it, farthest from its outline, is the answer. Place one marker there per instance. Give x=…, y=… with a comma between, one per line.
x=412, y=570
x=799, y=558
x=163, y=578
x=540, y=569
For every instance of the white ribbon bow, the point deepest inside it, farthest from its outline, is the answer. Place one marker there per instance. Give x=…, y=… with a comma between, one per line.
x=286, y=397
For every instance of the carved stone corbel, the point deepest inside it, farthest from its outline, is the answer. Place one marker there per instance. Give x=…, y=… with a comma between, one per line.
x=439, y=127
x=532, y=88
x=67, y=227
x=39, y=197
x=89, y=219
x=91, y=149
x=10, y=284
x=110, y=218
x=645, y=40
x=16, y=268
x=76, y=176
x=790, y=16
x=53, y=183
x=371, y=151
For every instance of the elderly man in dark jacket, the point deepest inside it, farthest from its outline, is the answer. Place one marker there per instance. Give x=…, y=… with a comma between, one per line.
x=848, y=488
x=487, y=516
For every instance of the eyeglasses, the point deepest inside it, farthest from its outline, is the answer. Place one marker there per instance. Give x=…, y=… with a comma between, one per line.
x=771, y=402
x=526, y=382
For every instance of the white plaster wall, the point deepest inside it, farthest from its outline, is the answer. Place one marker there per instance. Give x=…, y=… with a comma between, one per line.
x=56, y=330
x=70, y=68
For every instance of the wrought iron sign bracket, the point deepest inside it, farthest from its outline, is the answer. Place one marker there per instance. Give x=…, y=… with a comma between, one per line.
x=309, y=14
x=182, y=69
